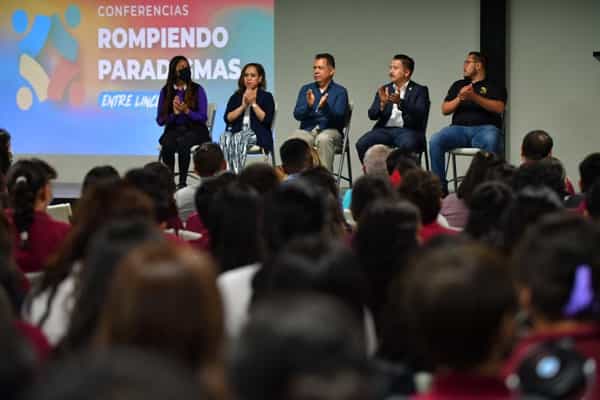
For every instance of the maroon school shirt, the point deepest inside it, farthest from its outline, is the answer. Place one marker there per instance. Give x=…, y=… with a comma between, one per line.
x=36, y=338
x=586, y=338
x=432, y=230
x=463, y=386
x=195, y=224
x=45, y=237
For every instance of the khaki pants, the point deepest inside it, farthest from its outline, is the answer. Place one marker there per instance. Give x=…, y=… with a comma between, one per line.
x=327, y=143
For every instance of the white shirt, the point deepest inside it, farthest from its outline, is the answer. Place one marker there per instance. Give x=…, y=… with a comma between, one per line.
x=396, y=120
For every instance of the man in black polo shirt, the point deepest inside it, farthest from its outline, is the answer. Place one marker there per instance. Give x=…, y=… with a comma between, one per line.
x=477, y=106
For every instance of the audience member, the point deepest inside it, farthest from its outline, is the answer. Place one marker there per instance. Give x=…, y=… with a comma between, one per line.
x=233, y=226
x=295, y=157
x=301, y=347
x=460, y=302
x=166, y=181
x=293, y=210
x=589, y=172
x=455, y=206
x=367, y=190
x=374, y=163
x=37, y=236
x=208, y=161
x=424, y=190
x=385, y=240
x=488, y=203
x=261, y=177
x=545, y=173
x=117, y=375
x=106, y=249
x=557, y=270
x=536, y=146
x=165, y=299
x=49, y=306
x=102, y=174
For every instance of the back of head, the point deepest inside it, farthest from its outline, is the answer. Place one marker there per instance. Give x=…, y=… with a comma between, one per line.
x=286, y=349
x=295, y=156
x=116, y=375
x=592, y=200
x=165, y=299
x=478, y=171
x=98, y=206
x=208, y=159
x=106, y=249
x=375, y=160
x=294, y=209
x=233, y=224
x=312, y=264
x=456, y=300
x=164, y=174
x=368, y=189
x=400, y=159
x=386, y=238
x=98, y=176
x=423, y=189
x=548, y=172
x=149, y=182
x=5, y=153
x=26, y=180
x=589, y=170
x=550, y=260
x=529, y=205
x=206, y=191
x=536, y=145
x=322, y=179
x=260, y=176
x=488, y=202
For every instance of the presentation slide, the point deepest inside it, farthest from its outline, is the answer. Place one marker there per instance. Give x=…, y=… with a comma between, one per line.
x=83, y=77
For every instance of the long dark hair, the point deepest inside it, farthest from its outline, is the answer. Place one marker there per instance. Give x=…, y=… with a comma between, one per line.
x=261, y=73
x=190, y=93
x=5, y=154
x=25, y=180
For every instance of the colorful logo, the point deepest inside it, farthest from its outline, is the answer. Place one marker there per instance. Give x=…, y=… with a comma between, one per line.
x=48, y=29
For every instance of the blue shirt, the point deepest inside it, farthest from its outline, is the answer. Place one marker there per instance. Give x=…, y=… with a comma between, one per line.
x=333, y=113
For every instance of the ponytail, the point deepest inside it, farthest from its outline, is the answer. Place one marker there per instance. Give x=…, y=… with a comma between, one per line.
x=25, y=179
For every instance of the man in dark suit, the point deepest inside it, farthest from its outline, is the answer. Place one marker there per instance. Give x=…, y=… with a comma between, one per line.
x=400, y=109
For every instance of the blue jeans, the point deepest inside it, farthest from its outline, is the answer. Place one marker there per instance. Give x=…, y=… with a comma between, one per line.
x=485, y=137
x=402, y=138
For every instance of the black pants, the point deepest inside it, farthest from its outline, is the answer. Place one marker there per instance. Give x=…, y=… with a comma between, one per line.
x=180, y=139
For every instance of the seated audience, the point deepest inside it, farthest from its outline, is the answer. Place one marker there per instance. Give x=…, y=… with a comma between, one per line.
x=117, y=374
x=37, y=236
x=233, y=227
x=537, y=145
x=293, y=210
x=301, y=347
x=589, y=172
x=261, y=177
x=208, y=161
x=545, y=173
x=488, y=203
x=459, y=302
x=557, y=270
x=295, y=157
x=455, y=206
x=385, y=240
x=528, y=206
x=165, y=299
x=103, y=174
x=424, y=190
x=374, y=163
x=367, y=190
x=50, y=304
x=106, y=249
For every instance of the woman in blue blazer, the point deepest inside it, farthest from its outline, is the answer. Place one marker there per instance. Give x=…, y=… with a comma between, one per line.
x=249, y=116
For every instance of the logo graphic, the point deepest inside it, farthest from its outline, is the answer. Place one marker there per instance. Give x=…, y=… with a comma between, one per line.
x=48, y=29
x=483, y=90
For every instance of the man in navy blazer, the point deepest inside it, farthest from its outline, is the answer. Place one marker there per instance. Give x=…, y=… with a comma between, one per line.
x=400, y=109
